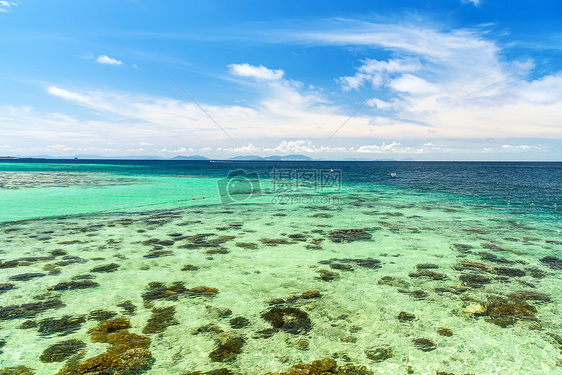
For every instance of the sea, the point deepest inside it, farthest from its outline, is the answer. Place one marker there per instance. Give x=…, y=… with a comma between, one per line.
x=262, y=267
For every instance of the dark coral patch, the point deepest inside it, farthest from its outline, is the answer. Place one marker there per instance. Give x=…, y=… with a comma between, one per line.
x=61, y=351
x=112, y=267
x=26, y=276
x=74, y=285
x=288, y=319
x=349, y=235
x=27, y=310
x=228, y=346
x=60, y=327
x=161, y=319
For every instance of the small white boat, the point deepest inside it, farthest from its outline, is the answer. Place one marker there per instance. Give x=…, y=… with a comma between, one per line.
x=393, y=175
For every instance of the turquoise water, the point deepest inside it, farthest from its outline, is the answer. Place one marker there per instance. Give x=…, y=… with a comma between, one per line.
x=408, y=277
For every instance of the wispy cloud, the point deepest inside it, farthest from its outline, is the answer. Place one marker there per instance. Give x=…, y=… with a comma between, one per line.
x=104, y=59
x=6, y=6
x=474, y=2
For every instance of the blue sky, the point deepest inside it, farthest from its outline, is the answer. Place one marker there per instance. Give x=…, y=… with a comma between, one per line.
x=469, y=79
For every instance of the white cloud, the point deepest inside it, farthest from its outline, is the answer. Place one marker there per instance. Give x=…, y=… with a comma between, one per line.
x=474, y=2
x=103, y=59
x=382, y=148
x=5, y=6
x=257, y=72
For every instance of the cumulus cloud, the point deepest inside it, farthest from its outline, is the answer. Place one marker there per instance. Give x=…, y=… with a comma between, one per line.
x=257, y=72
x=104, y=59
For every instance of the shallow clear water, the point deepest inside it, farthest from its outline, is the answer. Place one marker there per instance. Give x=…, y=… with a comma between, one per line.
x=477, y=259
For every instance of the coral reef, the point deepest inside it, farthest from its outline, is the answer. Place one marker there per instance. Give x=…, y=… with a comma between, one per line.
x=228, y=346
x=288, y=319
x=161, y=319
x=62, y=350
x=327, y=366
x=27, y=310
x=425, y=345
x=74, y=285
x=380, y=354
x=239, y=322
x=349, y=235
x=62, y=327
x=112, y=267
x=18, y=370
x=101, y=315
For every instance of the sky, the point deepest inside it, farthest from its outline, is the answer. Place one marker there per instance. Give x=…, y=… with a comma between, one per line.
x=431, y=80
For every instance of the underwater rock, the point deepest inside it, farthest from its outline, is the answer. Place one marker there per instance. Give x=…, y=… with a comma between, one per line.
x=327, y=275
x=309, y=294
x=392, y=281
x=220, y=371
x=61, y=351
x=406, y=316
x=419, y=294
x=217, y=251
x=507, y=271
x=426, y=274
x=26, y=276
x=474, y=280
x=28, y=324
x=6, y=286
x=101, y=332
x=380, y=354
x=112, y=267
x=475, y=266
x=28, y=310
x=74, y=285
x=349, y=235
x=494, y=258
x=208, y=328
x=552, y=262
x=247, y=245
x=190, y=267
x=265, y=333
x=158, y=253
x=506, y=313
x=161, y=319
x=444, y=332
x=288, y=319
x=61, y=327
x=276, y=241
x=322, y=215
x=229, y=345
x=101, y=315
x=239, y=322
x=159, y=290
x=326, y=366
x=426, y=266
x=18, y=370
x=529, y=295
x=341, y=266
x=128, y=307
x=474, y=309
x=425, y=345
x=218, y=312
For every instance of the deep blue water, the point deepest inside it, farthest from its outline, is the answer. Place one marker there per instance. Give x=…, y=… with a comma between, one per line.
x=519, y=183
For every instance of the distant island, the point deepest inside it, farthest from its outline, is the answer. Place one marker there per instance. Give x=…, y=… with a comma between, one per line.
x=193, y=157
